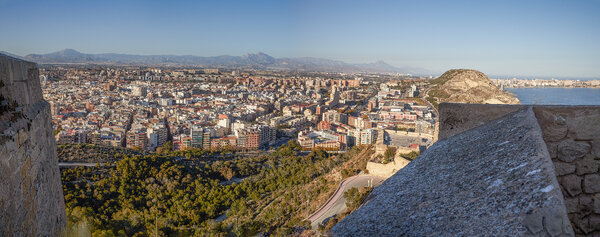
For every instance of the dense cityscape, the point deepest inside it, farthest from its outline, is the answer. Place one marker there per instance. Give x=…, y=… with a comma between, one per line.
x=144, y=108
x=525, y=83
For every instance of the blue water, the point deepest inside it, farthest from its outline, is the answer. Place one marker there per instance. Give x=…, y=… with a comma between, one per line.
x=558, y=96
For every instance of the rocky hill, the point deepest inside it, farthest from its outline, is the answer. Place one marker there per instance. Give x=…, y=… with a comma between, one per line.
x=31, y=198
x=467, y=86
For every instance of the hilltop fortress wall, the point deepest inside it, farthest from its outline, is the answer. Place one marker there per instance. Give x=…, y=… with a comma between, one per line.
x=496, y=170
x=572, y=137
x=31, y=197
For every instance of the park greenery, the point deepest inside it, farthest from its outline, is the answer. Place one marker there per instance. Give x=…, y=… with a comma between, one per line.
x=195, y=193
x=411, y=155
x=92, y=153
x=389, y=154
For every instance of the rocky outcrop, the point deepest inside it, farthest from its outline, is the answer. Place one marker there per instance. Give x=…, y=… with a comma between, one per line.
x=496, y=180
x=31, y=200
x=468, y=86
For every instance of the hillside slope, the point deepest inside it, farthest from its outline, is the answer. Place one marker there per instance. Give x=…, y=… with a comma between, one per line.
x=467, y=86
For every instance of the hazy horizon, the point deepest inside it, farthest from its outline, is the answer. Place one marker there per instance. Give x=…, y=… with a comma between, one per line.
x=512, y=38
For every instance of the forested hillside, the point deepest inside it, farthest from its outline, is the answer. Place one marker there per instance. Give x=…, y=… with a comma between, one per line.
x=176, y=193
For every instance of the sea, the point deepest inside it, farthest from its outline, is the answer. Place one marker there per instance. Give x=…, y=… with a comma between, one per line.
x=557, y=96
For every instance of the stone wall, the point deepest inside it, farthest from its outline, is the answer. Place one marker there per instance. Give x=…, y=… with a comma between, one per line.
x=389, y=169
x=31, y=200
x=411, y=134
x=457, y=118
x=494, y=180
x=572, y=135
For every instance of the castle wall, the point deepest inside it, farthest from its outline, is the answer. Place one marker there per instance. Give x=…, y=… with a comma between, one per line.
x=457, y=118
x=411, y=134
x=31, y=200
x=495, y=179
x=572, y=137
x=389, y=169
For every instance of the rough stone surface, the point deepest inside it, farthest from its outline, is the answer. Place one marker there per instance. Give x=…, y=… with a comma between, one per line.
x=591, y=183
x=571, y=203
x=554, y=126
x=552, y=149
x=572, y=184
x=587, y=165
x=583, y=224
x=573, y=153
x=570, y=150
x=586, y=205
x=595, y=222
x=562, y=168
x=457, y=118
x=586, y=126
x=596, y=147
x=501, y=183
x=597, y=204
x=31, y=200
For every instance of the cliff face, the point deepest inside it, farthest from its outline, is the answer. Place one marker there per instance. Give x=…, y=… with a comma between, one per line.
x=31, y=200
x=468, y=86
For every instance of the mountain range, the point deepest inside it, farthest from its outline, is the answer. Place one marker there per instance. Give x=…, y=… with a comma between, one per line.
x=255, y=60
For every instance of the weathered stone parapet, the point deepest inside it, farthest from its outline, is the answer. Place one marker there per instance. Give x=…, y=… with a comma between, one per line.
x=484, y=144
x=457, y=118
x=31, y=200
x=572, y=137
x=20, y=80
x=495, y=179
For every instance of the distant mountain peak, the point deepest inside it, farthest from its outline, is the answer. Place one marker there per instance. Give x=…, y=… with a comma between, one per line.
x=69, y=52
x=255, y=60
x=259, y=54
x=258, y=58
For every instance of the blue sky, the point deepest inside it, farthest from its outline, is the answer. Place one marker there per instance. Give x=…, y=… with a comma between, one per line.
x=521, y=38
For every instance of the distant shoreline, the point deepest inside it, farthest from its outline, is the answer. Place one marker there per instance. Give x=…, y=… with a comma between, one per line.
x=557, y=87
x=557, y=95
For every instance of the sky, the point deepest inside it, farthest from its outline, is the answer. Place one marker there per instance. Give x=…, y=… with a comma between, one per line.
x=504, y=38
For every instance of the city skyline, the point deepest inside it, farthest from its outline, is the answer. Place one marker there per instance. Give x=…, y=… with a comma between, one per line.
x=545, y=39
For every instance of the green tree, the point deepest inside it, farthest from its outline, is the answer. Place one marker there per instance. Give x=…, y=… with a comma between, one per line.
x=389, y=154
x=165, y=148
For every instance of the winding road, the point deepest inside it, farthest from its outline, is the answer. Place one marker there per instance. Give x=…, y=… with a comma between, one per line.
x=337, y=203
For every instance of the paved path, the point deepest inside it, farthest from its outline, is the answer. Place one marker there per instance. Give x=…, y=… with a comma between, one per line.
x=337, y=203
x=78, y=164
x=424, y=98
